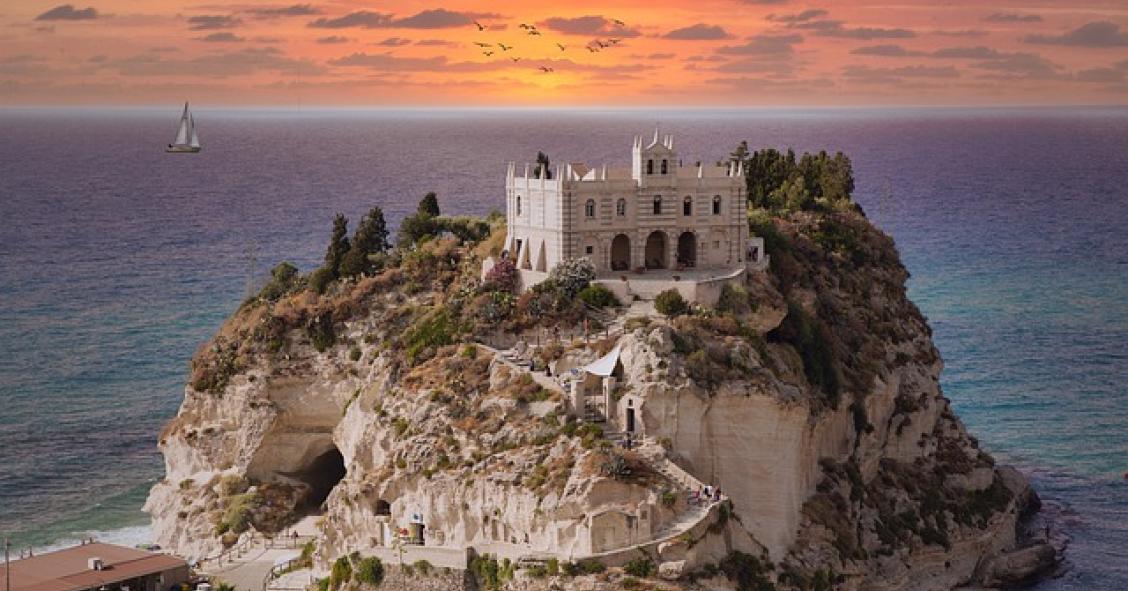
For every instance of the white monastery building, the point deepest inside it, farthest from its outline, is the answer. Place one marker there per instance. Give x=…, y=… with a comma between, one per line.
x=656, y=222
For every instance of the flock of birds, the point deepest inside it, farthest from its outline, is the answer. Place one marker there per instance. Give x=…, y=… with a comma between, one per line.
x=595, y=46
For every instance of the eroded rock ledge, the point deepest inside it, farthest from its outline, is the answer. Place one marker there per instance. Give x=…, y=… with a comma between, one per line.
x=811, y=398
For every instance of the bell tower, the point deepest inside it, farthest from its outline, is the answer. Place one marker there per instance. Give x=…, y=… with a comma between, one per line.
x=655, y=163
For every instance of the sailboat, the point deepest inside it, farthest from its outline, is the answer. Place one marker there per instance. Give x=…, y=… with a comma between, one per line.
x=187, y=142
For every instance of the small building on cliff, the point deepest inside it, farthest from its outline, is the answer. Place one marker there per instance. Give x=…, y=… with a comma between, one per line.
x=648, y=227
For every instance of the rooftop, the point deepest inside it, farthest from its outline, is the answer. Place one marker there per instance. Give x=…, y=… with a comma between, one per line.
x=69, y=569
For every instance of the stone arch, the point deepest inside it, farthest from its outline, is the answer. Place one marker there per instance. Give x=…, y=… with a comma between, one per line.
x=656, y=256
x=687, y=249
x=621, y=253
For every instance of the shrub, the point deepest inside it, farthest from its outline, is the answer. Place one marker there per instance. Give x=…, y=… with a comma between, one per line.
x=747, y=571
x=670, y=303
x=320, y=279
x=370, y=571
x=598, y=296
x=319, y=329
x=490, y=574
x=733, y=299
x=283, y=279
x=323, y=584
x=669, y=498
x=616, y=467
x=431, y=331
x=810, y=338
x=570, y=276
x=640, y=567
x=340, y=573
x=502, y=277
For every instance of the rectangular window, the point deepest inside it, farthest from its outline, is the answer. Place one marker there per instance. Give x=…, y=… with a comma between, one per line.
x=716, y=245
x=589, y=249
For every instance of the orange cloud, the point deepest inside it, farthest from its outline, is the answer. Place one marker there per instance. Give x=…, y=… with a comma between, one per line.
x=662, y=52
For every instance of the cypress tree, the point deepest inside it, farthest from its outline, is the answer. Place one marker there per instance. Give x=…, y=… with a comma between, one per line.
x=338, y=245
x=429, y=205
x=371, y=237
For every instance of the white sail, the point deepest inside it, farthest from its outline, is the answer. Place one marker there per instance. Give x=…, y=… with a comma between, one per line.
x=182, y=131
x=195, y=141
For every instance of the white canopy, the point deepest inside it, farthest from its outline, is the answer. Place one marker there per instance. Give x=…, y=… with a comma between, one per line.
x=604, y=365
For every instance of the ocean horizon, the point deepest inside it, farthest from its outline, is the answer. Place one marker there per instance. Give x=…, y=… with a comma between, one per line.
x=118, y=261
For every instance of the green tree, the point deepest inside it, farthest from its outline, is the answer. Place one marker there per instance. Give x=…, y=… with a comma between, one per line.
x=430, y=204
x=370, y=571
x=422, y=224
x=371, y=237
x=670, y=303
x=338, y=245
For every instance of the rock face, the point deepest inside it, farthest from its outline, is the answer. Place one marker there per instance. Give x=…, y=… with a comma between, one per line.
x=811, y=399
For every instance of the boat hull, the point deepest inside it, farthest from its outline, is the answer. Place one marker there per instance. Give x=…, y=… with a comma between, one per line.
x=182, y=150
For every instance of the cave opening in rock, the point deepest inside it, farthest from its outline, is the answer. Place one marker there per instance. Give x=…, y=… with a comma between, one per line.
x=322, y=475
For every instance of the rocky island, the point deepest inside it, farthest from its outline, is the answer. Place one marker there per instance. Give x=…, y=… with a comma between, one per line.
x=482, y=408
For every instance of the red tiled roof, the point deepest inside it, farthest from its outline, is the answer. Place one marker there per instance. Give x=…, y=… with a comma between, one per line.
x=69, y=570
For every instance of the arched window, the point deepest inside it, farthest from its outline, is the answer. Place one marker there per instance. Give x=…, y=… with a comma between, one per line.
x=621, y=207
x=687, y=205
x=589, y=208
x=657, y=205
x=649, y=167
x=716, y=205
x=664, y=167
x=518, y=205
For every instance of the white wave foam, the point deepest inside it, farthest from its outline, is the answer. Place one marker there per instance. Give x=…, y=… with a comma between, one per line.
x=126, y=536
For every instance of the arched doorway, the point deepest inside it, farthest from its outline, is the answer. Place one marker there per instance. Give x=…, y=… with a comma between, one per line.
x=621, y=253
x=322, y=475
x=687, y=249
x=656, y=250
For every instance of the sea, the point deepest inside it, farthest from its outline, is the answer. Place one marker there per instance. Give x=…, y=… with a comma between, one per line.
x=117, y=261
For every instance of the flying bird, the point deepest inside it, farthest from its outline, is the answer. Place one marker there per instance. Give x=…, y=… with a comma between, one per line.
x=561, y=46
x=515, y=59
x=619, y=22
x=546, y=69
x=614, y=41
x=524, y=26
x=504, y=47
x=592, y=49
x=600, y=44
x=534, y=32
x=480, y=26
x=487, y=53
x=480, y=44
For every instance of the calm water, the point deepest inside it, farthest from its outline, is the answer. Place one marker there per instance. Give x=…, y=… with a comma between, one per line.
x=117, y=261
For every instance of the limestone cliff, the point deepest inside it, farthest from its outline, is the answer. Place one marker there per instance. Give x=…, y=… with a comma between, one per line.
x=811, y=397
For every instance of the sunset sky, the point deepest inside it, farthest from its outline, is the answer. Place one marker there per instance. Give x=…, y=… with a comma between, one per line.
x=664, y=53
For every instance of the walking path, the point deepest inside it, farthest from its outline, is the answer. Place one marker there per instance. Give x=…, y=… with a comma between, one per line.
x=248, y=570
